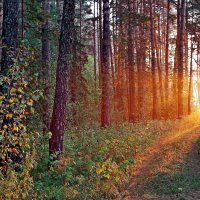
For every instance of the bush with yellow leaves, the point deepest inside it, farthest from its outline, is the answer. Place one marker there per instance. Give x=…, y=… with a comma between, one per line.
x=112, y=176
x=17, y=152
x=15, y=105
x=18, y=185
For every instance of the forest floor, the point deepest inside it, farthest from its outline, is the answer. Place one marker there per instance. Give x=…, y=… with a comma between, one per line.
x=169, y=169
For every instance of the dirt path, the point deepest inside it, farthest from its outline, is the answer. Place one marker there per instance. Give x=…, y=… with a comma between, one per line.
x=157, y=168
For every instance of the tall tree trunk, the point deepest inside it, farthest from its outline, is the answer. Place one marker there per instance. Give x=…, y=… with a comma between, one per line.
x=22, y=15
x=159, y=74
x=80, y=34
x=60, y=11
x=159, y=63
x=120, y=77
x=186, y=62
x=191, y=78
x=105, y=104
x=112, y=67
x=198, y=72
x=100, y=42
x=58, y=122
x=94, y=47
x=167, y=64
x=9, y=33
x=186, y=55
x=176, y=60
x=180, y=55
x=140, y=65
x=131, y=73
x=1, y=22
x=46, y=61
x=115, y=55
x=153, y=64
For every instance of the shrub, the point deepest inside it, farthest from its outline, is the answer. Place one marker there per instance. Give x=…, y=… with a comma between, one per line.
x=97, y=164
x=17, y=152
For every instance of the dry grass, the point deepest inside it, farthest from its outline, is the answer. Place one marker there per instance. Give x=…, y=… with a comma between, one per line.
x=168, y=166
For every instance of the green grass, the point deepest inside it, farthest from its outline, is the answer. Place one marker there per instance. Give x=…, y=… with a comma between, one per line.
x=84, y=148
x=181, y=178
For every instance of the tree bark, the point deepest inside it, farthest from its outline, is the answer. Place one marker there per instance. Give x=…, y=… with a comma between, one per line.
x=1, y=23
x=160, y=85
x=100, y=42
x=140, y=65
x=94, y=48
x=105, y=75
x=58, y=122
x=60, y=10
x=180, y=55
x=153, y=64
x=131, y=77
x=191, y=79
x=46, y=61
x=9, y=34
x=167, y=64
x=186, y=57
x=22, y=15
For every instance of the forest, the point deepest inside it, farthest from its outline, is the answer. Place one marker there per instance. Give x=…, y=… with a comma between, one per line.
x=100, y=99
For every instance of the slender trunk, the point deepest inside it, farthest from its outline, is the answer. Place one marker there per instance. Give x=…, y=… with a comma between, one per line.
x=1, y=22
x=94, y=48
x=115, y=55
x=75, y=77
x=176, y=61
x=120, y=68
x=159, y=73
x=105, y=104
x=167, y=64
x=191, y=77
x=58, y=122
x=140, y=71
x=46, y=61
x=80, y=34
x=22, y=26
x=112, y=67
x=186, y=56
x=60, y=11
x=198, y=72
x=100, y=42
x=153, y=64
x=131, y=78
x=181, y=27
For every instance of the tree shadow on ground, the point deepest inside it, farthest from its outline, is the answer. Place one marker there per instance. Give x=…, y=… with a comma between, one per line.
x=173, y=169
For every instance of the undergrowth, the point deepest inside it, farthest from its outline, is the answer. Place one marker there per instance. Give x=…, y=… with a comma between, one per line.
x=97, y=163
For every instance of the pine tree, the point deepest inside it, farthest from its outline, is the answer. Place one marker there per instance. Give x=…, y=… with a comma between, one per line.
x=58, y=122
x=105, y=75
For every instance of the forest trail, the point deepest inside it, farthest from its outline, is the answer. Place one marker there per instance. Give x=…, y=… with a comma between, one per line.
x=171, y=154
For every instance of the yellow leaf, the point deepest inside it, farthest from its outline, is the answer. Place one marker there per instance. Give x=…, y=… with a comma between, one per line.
x=19, y=90
x=98, y=171
x=5, y=126
x=15, y=128
x=2, y=98
x=30, y=103
x=9, y=115
x=107, y=176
